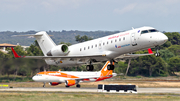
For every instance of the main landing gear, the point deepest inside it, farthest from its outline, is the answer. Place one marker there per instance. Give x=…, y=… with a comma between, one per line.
x=90, y=67
x=110, y=66
x=157, y=54
x=78, y=86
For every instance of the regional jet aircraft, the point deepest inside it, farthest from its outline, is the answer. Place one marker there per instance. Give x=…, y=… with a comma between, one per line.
x=73, y=78
x=109, y=48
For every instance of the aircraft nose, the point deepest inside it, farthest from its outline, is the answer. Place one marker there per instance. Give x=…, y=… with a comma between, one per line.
x=34, y=78
x=163, y=38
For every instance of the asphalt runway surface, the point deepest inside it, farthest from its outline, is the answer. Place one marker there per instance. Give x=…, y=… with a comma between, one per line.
x=139, y=90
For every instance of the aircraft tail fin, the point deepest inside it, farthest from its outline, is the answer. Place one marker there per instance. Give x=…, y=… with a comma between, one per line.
x=105, y=71
x=44, y=41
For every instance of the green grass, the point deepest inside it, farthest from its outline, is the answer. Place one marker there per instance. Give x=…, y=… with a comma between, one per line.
x=45, y=96
x=6, y=79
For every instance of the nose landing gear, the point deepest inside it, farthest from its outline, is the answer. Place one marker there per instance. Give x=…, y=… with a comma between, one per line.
x=44, y=84
x=157, y=54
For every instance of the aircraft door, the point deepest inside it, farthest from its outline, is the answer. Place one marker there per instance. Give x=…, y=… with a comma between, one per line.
x=133, y=39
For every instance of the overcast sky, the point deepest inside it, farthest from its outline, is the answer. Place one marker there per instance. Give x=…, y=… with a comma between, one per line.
x=89, y=15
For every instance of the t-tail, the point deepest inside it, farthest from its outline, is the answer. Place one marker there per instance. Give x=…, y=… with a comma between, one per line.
x=45, y=42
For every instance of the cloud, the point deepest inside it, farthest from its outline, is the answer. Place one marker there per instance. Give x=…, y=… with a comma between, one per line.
x=158, y=7
x=126, y=9
x=56, y=4
x=11, y=5
x=52, y=5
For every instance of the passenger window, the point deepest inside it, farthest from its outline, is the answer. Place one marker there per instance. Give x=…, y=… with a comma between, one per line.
x=111, y=41
x=103, y=43
x=119, y=39
x=92, y=46
x=80, y=49
x=88, y=47
x=115, y=40
x=96, y=45
x=107, y=42
x=124, y=38
x=99, y=44
x=84, y=48
x=145, y=31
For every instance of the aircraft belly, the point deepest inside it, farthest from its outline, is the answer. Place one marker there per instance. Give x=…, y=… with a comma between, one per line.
x=65, y=62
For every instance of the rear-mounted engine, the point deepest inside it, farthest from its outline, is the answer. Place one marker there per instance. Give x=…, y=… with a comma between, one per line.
x=59, y=50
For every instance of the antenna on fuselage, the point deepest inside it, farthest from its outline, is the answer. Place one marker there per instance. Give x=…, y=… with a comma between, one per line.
x=132, y=28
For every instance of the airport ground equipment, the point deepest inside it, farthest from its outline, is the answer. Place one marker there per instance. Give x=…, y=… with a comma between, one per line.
x=117, y=88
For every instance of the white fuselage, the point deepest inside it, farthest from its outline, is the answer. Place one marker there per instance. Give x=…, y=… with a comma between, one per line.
x=53, y=78
x=114, y=45
x=58, y=77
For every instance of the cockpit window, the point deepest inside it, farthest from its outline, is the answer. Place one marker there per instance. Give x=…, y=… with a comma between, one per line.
x=153, y=30
x=38, y=74
x=144, y=31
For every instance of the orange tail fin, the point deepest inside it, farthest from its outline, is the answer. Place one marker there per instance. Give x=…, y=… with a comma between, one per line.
x=105, y=71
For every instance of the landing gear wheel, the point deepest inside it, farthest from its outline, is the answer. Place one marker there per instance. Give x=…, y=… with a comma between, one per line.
x=157, y=54
x=78, y=85
x=110, y=67
x=67, y=86
x=89, y=67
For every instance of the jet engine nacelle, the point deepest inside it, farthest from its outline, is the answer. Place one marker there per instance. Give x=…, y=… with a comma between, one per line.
x=54, y=83
x=59, y=50
x=70, y=82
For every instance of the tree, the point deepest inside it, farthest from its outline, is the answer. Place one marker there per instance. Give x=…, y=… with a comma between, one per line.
x=166, y=54
x=148, y=66
x=68, y=44
x=175, y=49
x=174, y=64
x=173, y=37
x=83, y=38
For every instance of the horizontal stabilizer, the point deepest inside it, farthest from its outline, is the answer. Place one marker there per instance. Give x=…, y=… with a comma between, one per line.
x=28, y=35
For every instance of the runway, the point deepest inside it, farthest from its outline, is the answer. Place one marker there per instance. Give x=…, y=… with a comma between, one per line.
x=139, y=90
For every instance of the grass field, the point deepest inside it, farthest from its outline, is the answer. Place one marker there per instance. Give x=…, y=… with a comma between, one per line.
x=45, y=96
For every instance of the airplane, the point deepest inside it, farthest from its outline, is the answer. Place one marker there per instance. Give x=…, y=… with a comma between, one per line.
x=109, y=48
x=71, y=78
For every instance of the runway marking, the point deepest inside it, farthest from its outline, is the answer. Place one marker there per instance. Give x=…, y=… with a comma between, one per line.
x=139, y=90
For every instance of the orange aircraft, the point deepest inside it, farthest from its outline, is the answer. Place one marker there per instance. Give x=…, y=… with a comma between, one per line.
x=71, y=78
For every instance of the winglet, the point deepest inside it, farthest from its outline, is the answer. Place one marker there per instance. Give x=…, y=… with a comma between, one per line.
x=150, y=51
x=15, y=54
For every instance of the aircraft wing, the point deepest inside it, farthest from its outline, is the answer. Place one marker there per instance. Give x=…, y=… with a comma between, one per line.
x=55, y=57
x=88, y=78
x=130, y=56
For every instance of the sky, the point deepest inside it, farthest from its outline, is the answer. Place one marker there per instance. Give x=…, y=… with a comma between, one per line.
x=89, y=15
